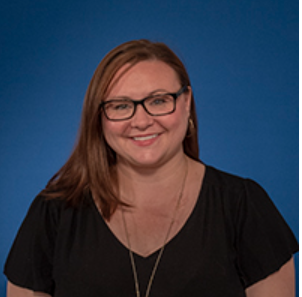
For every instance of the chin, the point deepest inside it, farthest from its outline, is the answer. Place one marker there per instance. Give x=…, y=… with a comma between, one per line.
x=145, y=162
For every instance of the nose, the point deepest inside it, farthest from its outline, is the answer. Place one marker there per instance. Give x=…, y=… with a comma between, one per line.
x=141, y=119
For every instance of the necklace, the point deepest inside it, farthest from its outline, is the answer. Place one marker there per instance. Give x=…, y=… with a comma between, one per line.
x=137, y=290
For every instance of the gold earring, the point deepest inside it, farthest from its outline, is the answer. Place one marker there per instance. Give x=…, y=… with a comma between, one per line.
x=191, y=123
x=191, y=128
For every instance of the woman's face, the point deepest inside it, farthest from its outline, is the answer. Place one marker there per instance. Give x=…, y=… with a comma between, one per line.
x=145, y=140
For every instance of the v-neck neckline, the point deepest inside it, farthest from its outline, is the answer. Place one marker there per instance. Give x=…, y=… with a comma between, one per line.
x=169, y=242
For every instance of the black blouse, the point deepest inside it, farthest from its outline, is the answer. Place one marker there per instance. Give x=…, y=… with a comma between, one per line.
x=233, y=238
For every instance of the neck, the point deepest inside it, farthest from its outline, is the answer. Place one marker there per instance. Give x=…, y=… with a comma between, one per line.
x=140, y=184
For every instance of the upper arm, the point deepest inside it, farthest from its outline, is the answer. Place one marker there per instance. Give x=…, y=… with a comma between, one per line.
x=278, y=284
x=16, y=291
x=30, y=260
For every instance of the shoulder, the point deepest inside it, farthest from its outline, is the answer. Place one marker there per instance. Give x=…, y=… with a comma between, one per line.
x=234, y=192
x=49, y=213
x=43, y=214
x=58, y=204
x=52, y=209
x=229, y=182
x=43, y=206
x=214, y=177
x=226, y=181
x=259, y=234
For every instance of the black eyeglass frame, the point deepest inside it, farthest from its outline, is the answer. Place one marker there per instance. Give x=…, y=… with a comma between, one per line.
x=142, y=102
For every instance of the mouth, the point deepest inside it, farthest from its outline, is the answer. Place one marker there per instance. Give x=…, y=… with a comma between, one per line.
x=143, y=138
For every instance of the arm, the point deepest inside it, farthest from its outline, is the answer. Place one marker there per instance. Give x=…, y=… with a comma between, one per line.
x=15, y=291
x=278, y=284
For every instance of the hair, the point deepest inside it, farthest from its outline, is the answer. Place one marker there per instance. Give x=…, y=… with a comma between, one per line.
x=91, y=167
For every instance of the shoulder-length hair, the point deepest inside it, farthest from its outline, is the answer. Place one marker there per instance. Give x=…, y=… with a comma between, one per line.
x=91, y=166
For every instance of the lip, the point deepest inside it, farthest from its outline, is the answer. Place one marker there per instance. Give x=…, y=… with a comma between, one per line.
x=145, y=139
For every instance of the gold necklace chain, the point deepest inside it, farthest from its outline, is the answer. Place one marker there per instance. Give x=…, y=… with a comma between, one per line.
x=137, y=290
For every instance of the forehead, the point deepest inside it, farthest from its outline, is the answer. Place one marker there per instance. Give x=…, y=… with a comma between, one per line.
x=143, y=78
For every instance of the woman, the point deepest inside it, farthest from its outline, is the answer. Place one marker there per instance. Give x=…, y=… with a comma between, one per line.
x=134, y=212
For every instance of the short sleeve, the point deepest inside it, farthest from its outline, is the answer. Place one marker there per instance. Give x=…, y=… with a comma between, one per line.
x=264, y=241
x=29, y=263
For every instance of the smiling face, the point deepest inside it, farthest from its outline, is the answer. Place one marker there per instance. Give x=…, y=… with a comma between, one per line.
x=145, y=140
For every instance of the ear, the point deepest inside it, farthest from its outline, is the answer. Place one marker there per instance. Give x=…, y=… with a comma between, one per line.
x=188, y=99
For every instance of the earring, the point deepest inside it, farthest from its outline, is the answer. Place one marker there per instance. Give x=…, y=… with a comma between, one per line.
x=191, y=123
x=191, y=128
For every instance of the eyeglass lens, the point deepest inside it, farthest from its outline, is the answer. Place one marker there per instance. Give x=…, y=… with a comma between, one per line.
x=155, y=105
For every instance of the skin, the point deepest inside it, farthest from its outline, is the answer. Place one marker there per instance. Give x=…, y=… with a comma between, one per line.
x=150, y=170
x=140, y=81
x=16, y=291
x=278, y=284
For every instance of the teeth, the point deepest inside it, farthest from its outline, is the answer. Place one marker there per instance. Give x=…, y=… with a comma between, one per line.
x=145, y=137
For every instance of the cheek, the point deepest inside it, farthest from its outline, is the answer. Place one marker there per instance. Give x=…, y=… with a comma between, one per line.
x=111, y=130
x=182, y=116
x=178, y=124
x=182, y=125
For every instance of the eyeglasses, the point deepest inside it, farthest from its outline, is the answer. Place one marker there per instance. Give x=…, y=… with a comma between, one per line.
x=154, y=105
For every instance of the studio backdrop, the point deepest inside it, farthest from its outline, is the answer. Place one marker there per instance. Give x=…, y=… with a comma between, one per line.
x=242, y=58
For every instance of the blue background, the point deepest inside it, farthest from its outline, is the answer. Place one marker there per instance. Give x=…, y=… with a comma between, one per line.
x=242, y=57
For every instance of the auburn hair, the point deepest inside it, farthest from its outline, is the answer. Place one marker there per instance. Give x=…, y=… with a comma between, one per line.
x=91, y=167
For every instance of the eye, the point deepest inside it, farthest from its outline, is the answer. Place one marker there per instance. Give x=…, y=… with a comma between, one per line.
x=159, y=100
x=119, y=105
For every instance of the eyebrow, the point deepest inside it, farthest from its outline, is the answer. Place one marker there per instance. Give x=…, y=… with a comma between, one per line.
x=160, y=91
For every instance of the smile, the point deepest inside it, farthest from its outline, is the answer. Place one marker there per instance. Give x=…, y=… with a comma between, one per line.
x=142, y=138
